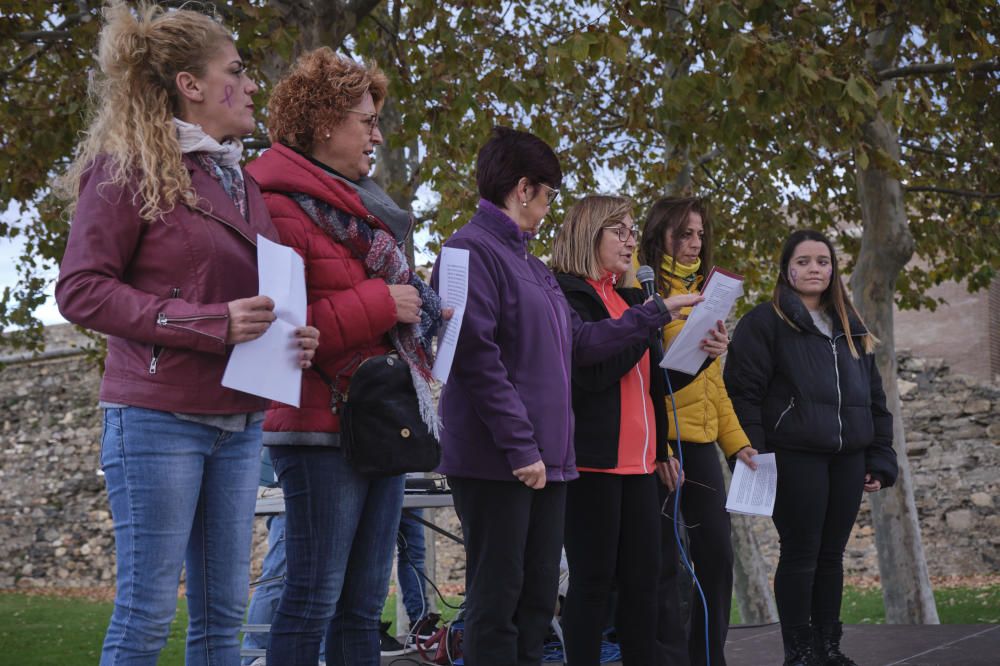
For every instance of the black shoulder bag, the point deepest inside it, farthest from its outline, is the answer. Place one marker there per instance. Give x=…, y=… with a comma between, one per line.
x=381, y=431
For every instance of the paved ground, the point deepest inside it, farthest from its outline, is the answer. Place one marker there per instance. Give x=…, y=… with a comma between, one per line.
x=868, y=644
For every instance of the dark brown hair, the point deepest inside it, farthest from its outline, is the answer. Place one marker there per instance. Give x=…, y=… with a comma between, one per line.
x=509, y=156
x=673, y=214
x=834, y=300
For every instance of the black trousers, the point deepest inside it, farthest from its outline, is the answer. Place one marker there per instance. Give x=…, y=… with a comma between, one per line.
x=513, y=539
x=703, y=510
x=612, y=536
x=814, y=511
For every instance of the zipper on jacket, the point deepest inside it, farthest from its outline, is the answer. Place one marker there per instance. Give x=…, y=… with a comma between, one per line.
x=645, y=418
x=157, y=350
x=840, y=423
x=163, y=320
x=791, y=403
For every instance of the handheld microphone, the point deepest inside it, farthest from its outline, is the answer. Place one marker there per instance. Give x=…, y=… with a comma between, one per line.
x=647, y=279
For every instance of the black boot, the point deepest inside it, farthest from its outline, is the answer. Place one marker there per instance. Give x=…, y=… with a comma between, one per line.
x=799, y=647
x=826, y=640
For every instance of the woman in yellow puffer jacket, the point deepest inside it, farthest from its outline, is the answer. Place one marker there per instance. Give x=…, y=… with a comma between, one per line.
x=677, y=239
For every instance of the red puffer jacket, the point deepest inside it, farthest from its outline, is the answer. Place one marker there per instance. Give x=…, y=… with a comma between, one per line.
x=352, y=311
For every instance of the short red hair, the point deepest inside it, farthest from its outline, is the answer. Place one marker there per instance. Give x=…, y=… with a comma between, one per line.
x=316, y=95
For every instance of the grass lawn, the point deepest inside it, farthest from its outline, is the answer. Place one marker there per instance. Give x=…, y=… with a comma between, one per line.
x=45, y=631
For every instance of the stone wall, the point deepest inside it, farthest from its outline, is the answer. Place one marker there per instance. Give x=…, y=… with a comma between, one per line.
x=56, y=531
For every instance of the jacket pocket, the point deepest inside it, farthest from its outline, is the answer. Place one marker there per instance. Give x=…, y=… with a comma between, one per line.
x=781, y=417
x=154, y=358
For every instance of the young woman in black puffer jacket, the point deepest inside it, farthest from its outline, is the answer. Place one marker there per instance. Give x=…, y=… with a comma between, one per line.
x=802, y=378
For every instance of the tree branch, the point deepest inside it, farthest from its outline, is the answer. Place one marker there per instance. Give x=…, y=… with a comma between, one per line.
x=936, y=68
x=958, y=193
x=42, y=35
x=63, y=27
x=929, y=151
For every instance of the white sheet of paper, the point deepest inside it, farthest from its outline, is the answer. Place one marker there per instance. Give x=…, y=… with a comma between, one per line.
x=753, y=491
x=269, y=365
x=454, y=291
x=721, y=292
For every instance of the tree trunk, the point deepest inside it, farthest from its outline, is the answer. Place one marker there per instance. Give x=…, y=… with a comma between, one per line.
x=886, y=247
x=750, y=584
x=319, y=23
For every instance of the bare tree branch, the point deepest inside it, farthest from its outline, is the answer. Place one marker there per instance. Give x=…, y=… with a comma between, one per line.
x=42, y=35
x=929, y=151
x=936, y=68
x=958, y=193
x=63, y=27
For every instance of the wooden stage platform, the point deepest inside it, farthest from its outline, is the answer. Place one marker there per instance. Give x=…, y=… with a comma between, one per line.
x=881, y=645
x=867, y=644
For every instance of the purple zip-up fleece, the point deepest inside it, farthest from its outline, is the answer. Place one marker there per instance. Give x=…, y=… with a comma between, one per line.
x=507, y=403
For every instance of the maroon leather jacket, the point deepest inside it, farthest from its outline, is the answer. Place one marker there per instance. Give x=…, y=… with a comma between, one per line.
x=160, y=290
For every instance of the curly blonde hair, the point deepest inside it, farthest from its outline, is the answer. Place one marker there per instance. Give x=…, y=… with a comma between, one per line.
x=575, y=250
x=134, y=97
x=316, y=94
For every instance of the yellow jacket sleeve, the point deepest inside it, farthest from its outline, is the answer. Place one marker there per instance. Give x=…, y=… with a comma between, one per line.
x=731, y=436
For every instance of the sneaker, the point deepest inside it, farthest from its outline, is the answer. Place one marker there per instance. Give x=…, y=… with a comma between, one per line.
x=424, y=633
x=390, y=647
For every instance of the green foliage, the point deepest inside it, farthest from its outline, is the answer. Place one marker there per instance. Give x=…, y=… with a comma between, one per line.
x=757, y=105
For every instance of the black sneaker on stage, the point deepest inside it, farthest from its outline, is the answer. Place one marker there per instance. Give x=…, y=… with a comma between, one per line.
x=425, y=633
x=390, y=647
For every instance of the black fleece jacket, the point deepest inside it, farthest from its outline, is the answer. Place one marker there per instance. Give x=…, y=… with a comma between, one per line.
x=795, y=388
x=597, y=388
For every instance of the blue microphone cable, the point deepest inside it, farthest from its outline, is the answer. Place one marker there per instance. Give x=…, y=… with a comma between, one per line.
x=677, y=510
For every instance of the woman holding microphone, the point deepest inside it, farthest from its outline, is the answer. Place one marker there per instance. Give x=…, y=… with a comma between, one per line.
x=507, y=438
x=804, y=382
x=612, y=512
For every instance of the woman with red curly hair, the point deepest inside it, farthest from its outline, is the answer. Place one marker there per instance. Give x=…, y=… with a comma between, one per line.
x=340, y=526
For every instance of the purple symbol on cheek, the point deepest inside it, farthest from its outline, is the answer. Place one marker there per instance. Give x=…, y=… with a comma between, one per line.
x=228, y=99
x=794, y=275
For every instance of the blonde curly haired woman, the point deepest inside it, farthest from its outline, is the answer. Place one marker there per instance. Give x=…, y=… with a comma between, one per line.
x=161, y=258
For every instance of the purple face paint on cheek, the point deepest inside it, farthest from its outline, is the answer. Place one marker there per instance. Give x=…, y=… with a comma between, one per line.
x=793, y=276
x=228, y=99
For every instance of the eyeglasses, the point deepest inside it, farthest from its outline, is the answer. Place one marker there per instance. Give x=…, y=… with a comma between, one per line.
x=372, y=121
x=550, y=194
x=624, y=232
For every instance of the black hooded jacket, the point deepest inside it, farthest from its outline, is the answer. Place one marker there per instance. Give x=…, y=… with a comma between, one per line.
x=795, y=388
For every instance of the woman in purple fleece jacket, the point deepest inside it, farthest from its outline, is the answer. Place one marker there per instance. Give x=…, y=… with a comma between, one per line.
x=507, y=409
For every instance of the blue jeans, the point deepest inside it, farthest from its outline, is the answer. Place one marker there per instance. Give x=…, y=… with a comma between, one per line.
x=410, y=565
x=181, y=494
x=340, y=530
